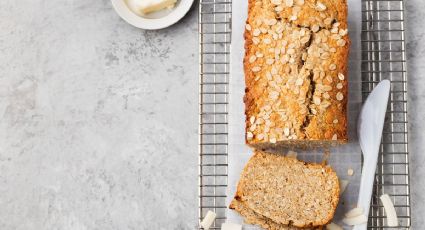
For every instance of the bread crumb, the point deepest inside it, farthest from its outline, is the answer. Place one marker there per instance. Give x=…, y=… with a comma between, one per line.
x=350, y=172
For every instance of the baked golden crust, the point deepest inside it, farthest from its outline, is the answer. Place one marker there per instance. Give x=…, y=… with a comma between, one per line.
x=287, y=191
x=295, y=72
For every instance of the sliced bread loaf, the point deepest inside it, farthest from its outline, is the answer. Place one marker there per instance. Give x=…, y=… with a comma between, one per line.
x=287, y=191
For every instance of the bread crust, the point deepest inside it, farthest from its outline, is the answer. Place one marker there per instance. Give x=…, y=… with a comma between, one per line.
x=287, y=191
x=296, y=77
x=250, y=217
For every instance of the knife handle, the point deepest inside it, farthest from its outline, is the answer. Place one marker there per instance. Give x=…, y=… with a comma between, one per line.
x=366, y=186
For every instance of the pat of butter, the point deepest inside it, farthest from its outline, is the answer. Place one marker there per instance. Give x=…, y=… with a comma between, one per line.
x=142, y=7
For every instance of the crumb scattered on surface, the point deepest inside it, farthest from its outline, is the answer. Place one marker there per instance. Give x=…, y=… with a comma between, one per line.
x=350, y=172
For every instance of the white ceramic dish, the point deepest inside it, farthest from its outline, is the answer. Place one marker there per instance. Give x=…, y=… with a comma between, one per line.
x=153, y=21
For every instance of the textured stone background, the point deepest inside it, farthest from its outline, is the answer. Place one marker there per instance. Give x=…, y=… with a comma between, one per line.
x=98, y=120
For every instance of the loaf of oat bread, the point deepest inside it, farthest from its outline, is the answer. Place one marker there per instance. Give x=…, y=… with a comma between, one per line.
x=296, y=73
x=275, y=191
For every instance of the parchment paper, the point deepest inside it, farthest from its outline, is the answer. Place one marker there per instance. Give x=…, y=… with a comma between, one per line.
x=341, y=158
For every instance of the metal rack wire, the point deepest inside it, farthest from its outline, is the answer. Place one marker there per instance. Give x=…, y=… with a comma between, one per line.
x=383, y=57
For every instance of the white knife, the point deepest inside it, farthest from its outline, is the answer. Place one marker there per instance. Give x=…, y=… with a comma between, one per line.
x=369, y=129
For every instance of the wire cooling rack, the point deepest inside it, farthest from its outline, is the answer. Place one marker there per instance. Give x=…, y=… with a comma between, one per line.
x=383, y=57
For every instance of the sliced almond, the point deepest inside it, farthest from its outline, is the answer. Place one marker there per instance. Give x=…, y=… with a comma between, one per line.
x=343, y=32
x=252, y=59
x=286, y=131
x=260, y=136
x=316, y=100
x=335, y=37
x=272, y=22
x=256, y=69
x=305, y=39
x=320, y=6
x=252, y=119
x=327, y=21
x=339, y=96
x=299, y=82
x=327, y=88
x=252, y=128
x=256, y=32
x=290, y=51
x=289, y=3
x=230, y=226
x=341, y=42
x=208, y=220
x=390, y=212
x=269, y=61
x=269, y=76
x=249, y=135
x=324, y=105
x=326, y=95
x=248, y=27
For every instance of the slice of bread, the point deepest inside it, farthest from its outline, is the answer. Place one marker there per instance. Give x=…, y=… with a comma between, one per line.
x=250, y=217
x=287, y=191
